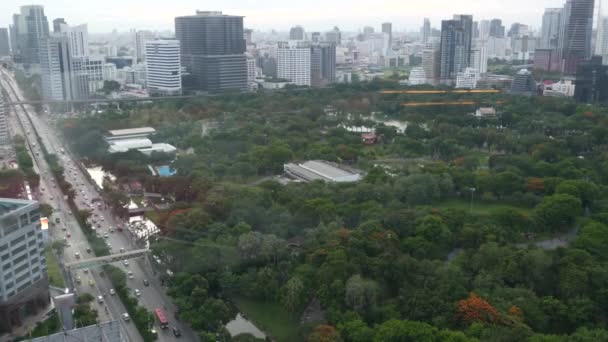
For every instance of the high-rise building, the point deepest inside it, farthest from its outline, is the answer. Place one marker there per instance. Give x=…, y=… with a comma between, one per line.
x=601, y=43
x=78, y=36
x=484, y=29
x=456, y=40
x=387, y=28
x=334, y=36
x=110, y=72
x=497, y=30
x=5, y=138
x=467, y=79
x=323, y=64
x=293, y=62
x=57, y=24
x=56, y=66
x=213, y=51
x=417, y=76
x=523, y=83
x=163, y=67
x=549, y=38
x=30, y=28
x=248, y=35
x=426, y=31
x=592, y=81
x=297, y=33
x=140, y=44
x=87, y=75
x=479, y=59
x=431, y=59
x=315, y=37
x=24, y=288
x=577, y=38
x=5, y=49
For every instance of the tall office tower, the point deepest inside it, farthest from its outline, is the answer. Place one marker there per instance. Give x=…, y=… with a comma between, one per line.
x=5, y=138
x=479, y=59
x=5, y=49
x=334, y=36
x=456, y=40
x=293, y=62
x=163, y=67
x=426, y=31
x=322, y=64
x=24, y=288
x=315, y=37
x=551, y=28
x=484, y=29
x=140, y=44
x=387, y=28
x=431, y=59
x=87, y=75
x=475, y=30
x=31, y=27
x=577, y=38
x=592, y=81
x=248, y=35
x=78, y=36
x=213, y=51
x=56, y=68
x=297, y=33
x=601, y=43
x=497, y=30
x=57, y=24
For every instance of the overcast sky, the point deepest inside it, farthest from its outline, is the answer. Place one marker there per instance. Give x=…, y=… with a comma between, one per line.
x=349, y=15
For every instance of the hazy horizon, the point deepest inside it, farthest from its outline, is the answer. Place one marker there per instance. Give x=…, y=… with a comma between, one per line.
x=314, y=15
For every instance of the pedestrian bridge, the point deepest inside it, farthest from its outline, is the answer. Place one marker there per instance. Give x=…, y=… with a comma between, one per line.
x=95, y=262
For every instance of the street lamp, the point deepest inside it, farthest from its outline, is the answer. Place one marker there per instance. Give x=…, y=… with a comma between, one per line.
x=472, y=196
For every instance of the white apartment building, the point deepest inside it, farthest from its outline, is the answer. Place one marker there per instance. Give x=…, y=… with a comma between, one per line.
x=140, y=44
x=467, y=79
x=78, y=37
x=417, y=76
x=110, y=72
x=163, y=67
x=479, y=59
x=23, y=278
x=293, y=62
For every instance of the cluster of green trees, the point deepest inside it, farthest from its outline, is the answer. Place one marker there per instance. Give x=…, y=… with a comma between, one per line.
x=436, y=243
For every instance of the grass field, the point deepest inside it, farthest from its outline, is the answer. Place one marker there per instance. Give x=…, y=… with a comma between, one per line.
x=479, y=207
x=270, y=318
x=54, y=272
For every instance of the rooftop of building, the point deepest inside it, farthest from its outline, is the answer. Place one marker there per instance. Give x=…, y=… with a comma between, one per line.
x=107, y=332
x=130, y=131
x=8, y=205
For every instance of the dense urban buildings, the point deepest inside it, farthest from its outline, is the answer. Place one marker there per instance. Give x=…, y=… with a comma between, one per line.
x=387, y=28
x=213, y=51
x=550, y=33
x=163, y=67
x=30, y=28
x=297, y=33
x=24, y=287
x=140, y=44
x=323, y=64
x=577, y=35
x=78, y=36
x=497, y=30
x=55, y=66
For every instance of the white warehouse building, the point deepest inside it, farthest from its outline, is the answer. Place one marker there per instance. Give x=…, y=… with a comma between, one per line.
x=163, y=67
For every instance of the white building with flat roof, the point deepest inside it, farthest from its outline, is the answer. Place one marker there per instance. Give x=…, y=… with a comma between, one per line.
x=163, y=67
x=130, y=133
x=321, y=170
x=23, y=277
x=293, y=62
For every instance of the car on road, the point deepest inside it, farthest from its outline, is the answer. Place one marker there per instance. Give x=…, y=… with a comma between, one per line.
x=125, y=262
x=137, y=293
x=112, y=292
x=78, y=280
x=176, y=332
x=130, y=275
x=91, y=282
x=146, y=282
x=88, y=250
x=100, y=299
x=77, y=255
x=106, y=236
x=86, y=270
x=122, y=250
x=126, y=317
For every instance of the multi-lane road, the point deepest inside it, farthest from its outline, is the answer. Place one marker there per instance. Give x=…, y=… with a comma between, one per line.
x=151, y=296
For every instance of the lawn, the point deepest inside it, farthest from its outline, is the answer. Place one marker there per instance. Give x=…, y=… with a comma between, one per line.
x=53, y=270
x=271, y=318
x=479, y=207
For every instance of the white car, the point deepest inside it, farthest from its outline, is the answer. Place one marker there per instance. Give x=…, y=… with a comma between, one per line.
x=100, y=299
x=137, y=293
x=126, y=317
x=130, y=274
x=126, y=262
x=112, y=292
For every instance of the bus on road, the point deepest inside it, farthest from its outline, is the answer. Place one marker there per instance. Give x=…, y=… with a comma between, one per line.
x=162, y=319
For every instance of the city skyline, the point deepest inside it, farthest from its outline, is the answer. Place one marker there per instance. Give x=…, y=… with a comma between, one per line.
x=273, y=14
